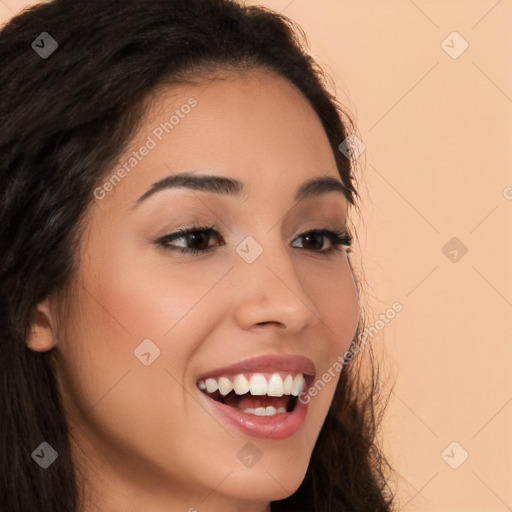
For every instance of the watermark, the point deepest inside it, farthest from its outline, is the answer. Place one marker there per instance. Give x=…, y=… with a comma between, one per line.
x=175, y=119
x=249, y=455
x=44, y=45
x=152, y=141
x=507, y=193
x=146, y=352
x=454, y=45
x=248, y=249
x=454, y=455
x=45, y=455
x=454, y=249
x=354, y=349
x=352, y=147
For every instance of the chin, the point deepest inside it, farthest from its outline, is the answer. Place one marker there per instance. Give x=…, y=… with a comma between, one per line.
x=264, y=484
x=275, y=476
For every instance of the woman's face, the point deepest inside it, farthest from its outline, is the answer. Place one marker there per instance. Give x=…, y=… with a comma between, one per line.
x=150, y=325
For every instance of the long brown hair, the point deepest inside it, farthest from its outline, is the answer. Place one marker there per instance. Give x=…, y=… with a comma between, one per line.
x=66, y=118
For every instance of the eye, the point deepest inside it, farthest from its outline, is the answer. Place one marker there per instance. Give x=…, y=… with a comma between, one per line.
x=199, y=236
x=196, y=236
x=338, y=240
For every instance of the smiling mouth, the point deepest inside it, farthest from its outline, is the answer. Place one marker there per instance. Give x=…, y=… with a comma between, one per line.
x=260, y=394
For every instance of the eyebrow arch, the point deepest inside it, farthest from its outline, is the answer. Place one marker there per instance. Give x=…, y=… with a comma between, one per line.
x=314, y=187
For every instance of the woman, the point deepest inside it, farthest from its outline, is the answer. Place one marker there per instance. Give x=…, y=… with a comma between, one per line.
x=177, y=294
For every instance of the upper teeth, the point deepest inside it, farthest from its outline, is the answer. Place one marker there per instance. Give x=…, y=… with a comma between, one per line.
x=256, y=385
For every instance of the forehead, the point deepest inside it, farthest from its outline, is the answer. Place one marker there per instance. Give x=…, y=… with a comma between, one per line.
x=254, y=127
x=254, y=120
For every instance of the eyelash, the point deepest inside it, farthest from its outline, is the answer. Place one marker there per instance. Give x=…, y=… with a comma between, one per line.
x=338, y=239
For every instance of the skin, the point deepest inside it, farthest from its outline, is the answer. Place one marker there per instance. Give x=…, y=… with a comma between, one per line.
x=141, y=439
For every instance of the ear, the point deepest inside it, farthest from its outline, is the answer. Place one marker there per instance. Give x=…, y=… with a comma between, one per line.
x=42, y=335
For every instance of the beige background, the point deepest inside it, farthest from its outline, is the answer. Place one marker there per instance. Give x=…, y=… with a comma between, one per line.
x=437, y=165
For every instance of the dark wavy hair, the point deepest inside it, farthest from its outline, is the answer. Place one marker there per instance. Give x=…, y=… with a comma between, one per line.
x=65, y=121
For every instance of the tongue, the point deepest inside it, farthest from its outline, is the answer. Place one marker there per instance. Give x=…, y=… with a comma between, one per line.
x=252, y=402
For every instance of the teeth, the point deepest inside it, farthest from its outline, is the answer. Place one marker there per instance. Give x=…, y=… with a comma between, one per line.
x=275, y=385
x=265, y=411
x=240, y=385
x=298, y=384
x=225, y=386
x=211, y=385
x=287, y=385
x=257, y=385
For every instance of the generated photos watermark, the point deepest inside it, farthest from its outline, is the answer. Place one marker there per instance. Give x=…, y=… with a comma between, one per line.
x=356, y=346
x=152, y=140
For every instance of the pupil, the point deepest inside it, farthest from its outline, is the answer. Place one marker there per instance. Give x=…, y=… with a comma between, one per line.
x=318, y=237
x=193, y=238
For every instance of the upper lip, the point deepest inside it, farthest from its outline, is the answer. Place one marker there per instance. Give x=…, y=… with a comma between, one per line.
x=267, y=363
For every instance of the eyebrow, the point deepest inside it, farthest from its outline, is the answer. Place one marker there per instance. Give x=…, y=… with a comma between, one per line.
x=314, y=187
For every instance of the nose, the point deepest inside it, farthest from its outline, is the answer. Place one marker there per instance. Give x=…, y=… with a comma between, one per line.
x=274, y=293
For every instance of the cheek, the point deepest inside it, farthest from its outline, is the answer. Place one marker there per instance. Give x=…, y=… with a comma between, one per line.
x=335, y=295
x=117, y=404
x=337, y=301
x=153, y=297
x=124, y=300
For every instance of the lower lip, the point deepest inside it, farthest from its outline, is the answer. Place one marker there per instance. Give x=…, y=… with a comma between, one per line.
x=276, y=427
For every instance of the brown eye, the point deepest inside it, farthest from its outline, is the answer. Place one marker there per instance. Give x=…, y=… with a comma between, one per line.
x=195, y=240
x=315, y=240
